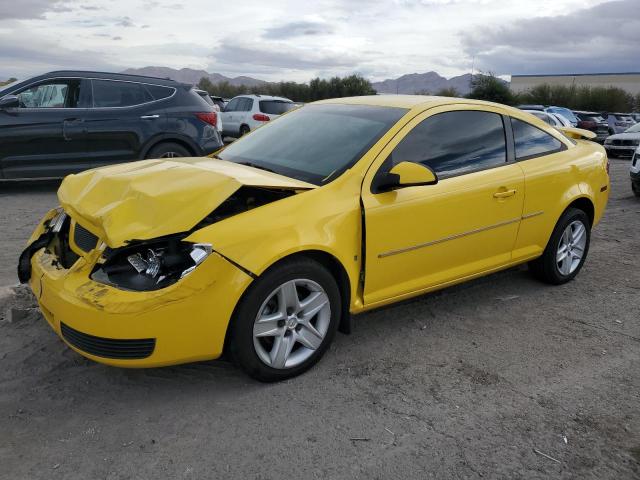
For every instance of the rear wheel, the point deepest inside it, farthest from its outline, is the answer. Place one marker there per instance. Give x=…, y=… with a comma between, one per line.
x=285, y=321
x=566, y=251
x=168, y=150
x=636, y=189
x=244, y=129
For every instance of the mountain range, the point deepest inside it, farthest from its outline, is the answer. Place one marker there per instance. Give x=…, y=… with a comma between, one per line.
x=189, y=75
x=430, y=82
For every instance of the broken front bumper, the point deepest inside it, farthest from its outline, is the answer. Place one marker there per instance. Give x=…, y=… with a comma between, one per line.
x=184, y=322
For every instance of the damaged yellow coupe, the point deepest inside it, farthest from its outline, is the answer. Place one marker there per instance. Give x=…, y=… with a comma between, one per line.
x=267, y=248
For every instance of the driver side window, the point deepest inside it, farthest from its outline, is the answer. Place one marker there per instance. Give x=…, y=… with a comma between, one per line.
x=454, y=143
x=52, y=94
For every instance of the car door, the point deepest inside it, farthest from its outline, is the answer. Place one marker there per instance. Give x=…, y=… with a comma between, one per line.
x=230, y=116
x=427, y=236
x=45, y=135
x=123, y=115
x=548, y=178
x=246, y=113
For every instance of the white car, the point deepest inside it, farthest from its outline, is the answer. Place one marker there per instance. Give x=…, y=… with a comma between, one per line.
x=553, y=119
x=247, y=112
x=634, y=172
x=623, y=144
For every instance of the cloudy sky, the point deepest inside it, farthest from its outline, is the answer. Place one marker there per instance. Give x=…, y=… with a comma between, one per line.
x=297, y=39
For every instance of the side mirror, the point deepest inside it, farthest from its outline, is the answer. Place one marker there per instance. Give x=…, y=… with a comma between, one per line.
x=404, y=174
x=9, y=101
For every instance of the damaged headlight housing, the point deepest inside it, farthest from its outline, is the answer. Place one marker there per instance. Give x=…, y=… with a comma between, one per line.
x=152, y=265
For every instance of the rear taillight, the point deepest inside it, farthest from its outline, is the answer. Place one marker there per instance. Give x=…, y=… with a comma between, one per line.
x=208, y=117
x=261, y=117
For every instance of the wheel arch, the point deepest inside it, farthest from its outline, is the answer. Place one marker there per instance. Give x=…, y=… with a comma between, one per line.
x=585, y=204
x=168, y=138
x=336, y=269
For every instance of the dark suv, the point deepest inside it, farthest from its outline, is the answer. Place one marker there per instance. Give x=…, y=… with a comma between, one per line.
x=595, y=122
x=67, y=121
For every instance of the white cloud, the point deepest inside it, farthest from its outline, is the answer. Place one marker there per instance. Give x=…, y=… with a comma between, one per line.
x=279, y=39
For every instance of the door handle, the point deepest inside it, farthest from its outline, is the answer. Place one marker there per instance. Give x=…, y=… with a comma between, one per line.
x=505, y=193
x=149, y=117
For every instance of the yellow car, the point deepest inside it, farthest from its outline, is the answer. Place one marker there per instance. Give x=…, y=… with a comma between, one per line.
x=341, y=206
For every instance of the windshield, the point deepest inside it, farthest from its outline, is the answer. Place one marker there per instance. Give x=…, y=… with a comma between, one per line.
x=565, y=112
x=634, y=129
x=315, y=143
x=7, y=86
x=276, y=107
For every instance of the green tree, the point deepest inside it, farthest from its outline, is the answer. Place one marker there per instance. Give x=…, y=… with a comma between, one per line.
x=584, y=97
x=489, y=87
x=316, y=89
x=448, y=92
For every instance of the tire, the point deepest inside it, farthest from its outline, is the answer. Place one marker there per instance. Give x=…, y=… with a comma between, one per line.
x=260, y=348
x=548, y=268
x=168, y=150
x=636, y=189
x=244, y=129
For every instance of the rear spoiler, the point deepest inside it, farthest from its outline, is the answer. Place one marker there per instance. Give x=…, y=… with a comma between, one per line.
x=578, y=133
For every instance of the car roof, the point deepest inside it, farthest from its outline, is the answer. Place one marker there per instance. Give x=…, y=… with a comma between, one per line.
x=410, y=101
x=262, y=97
x=110, y=76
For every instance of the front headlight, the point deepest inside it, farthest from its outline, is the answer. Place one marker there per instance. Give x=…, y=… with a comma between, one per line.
x=607, y=142
x=150, y=265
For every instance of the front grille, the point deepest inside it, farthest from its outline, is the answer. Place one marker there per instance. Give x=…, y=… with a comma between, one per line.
x=84, y=239
x=108, y=347
x=625, y=143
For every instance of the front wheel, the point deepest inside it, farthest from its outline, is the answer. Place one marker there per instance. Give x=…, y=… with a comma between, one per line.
x=566, y=251
x=285, y=321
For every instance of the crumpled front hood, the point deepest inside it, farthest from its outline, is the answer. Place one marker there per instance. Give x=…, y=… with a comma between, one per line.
x=151, y=198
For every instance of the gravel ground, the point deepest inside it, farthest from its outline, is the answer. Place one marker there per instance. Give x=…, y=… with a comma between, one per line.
x=502, y=377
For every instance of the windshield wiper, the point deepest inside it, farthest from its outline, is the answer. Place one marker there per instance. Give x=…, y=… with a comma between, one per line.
x=255, y=165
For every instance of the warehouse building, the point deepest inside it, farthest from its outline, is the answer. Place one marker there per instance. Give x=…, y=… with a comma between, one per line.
x=626, y=81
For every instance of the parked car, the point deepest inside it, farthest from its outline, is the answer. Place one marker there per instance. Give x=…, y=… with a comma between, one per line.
x=248, y=112
x=635, y=116
x=209, y=99
x=635, y=173
x=623, y=144
x=594, y=122
x=618, y=122
x=338, y=207
x=532, y=107
x=68, y=121
x=555, y=120
x=565, y=112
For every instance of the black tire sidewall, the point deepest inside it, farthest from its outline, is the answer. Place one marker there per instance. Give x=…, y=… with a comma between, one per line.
x=241, y=330
x=244, y=130
x=549, y=256
x=161, y=149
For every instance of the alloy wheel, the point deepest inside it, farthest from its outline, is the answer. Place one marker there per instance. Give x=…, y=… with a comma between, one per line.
x=291, y=323
x=169, y=155
x=571, y=247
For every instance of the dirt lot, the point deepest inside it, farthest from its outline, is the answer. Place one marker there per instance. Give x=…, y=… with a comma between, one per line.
x=499, y=378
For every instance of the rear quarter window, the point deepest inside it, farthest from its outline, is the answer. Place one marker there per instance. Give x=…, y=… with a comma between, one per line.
x=159, y=92
x=531, y=142
x=110, y=93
